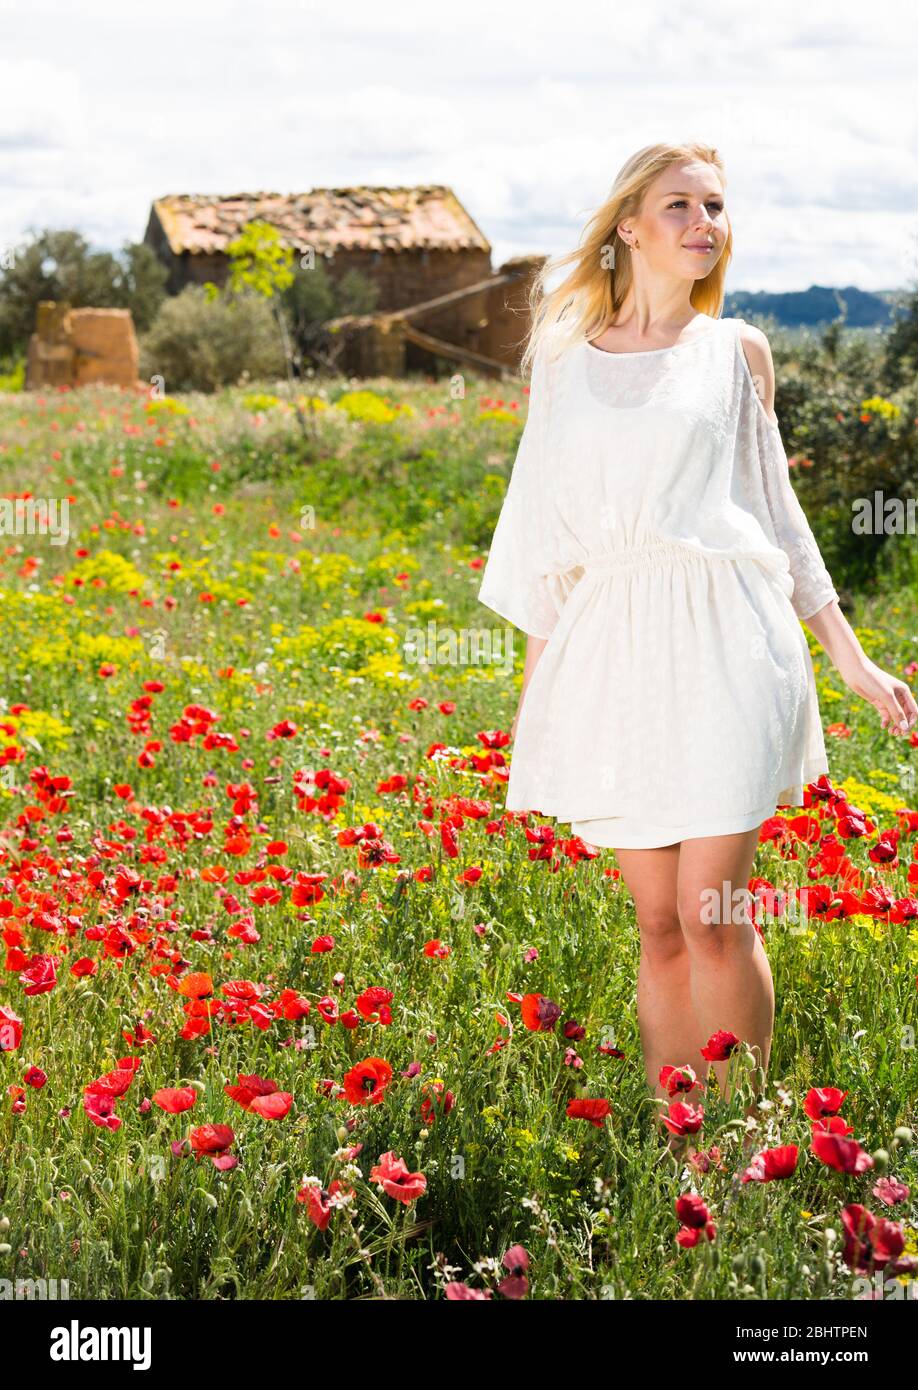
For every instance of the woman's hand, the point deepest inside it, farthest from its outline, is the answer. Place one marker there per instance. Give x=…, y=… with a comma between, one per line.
x=890, y=696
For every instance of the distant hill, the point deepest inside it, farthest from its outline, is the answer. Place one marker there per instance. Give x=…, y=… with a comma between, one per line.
x=818, y=306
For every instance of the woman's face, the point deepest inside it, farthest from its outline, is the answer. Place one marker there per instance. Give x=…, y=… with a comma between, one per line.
x=682, y=225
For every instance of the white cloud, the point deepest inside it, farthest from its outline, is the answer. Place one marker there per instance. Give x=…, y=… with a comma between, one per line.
x=528, y=112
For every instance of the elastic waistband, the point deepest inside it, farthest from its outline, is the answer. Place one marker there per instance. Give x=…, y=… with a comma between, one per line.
x=638, y=554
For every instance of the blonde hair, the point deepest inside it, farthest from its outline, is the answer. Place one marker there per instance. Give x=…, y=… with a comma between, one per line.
x=588, y=299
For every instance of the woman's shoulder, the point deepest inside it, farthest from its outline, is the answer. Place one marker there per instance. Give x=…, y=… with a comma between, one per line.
x=754, y=342
x=756, y=351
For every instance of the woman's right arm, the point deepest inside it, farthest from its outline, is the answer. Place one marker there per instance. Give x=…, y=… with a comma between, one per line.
x=534, y=648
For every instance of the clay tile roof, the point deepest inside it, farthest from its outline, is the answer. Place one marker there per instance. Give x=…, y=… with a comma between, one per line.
x=328, y=219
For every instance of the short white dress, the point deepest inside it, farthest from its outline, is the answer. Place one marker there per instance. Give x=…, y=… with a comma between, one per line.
x=651, y=533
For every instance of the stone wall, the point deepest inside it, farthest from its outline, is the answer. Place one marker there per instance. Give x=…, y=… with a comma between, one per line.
x=507, y=310
x=402, y=278
x=81, y=347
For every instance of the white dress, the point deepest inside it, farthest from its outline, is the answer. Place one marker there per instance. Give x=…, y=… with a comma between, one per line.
x=651, y=533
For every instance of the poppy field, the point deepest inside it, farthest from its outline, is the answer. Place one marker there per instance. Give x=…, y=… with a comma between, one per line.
x=290, y=1008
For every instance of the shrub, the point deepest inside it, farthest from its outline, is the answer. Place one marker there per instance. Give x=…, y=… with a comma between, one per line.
x=200, y=343
x=846, y=438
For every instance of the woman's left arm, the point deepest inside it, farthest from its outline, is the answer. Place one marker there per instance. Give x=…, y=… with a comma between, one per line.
x=890, y=696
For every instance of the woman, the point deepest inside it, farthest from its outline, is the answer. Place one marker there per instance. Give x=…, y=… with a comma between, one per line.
x=653, y=550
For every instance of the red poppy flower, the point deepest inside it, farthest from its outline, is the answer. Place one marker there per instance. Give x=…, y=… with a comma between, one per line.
x=887, y=1241
x=308, y=889
x=101, y=1110
x=684, y=1119
x=538, y=1013
x=873, y=1242
x=366, y=1083
x=679, y=1080
x=689, y=1236
x=393, y=1177
x=858, y=1223
x=242, y=991
x=844, y=1155
x=890, y=1191
x=139, y=1037
x=196, y=986
x=320, y=1203
x=770, y=1164
x=826, y=1100
x=194, y=1028
x=113, y=1083
x=691, y=1210
x=587, y=1108
x=289, y=1004
x=175, y=1099
x=832, y=1124
x=780, y=1162
x=40, y=975
x=10, y=1029
x=261, y=1096
x=694, y=1218
x=720, y=1046
x=328, y=1008
x=213, y=1141
x=374, y=1003
x=516, y=1284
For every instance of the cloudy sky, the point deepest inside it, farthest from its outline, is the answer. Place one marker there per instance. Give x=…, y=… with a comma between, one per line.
x=526, y=110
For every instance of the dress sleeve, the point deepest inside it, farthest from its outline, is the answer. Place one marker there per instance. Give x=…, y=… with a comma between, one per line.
x=787, y=524
x=514, y=583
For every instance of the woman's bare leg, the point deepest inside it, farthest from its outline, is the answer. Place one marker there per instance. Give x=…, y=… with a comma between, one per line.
x=729, y=976
x=670, y=1032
